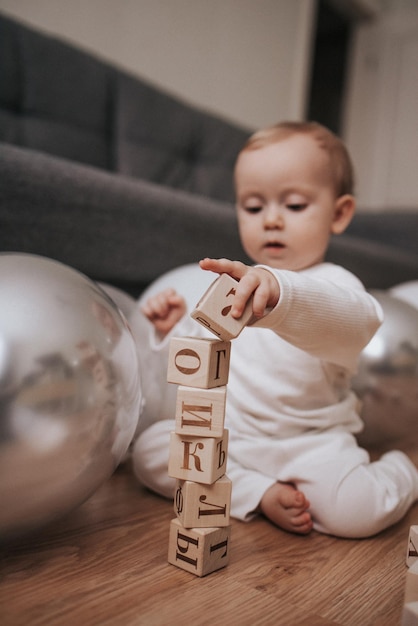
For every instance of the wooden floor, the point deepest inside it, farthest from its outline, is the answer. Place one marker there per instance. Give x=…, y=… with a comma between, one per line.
x=106, y=563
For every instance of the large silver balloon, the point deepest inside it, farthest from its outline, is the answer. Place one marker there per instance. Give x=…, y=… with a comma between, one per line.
x=387, y=379
x=69, y=390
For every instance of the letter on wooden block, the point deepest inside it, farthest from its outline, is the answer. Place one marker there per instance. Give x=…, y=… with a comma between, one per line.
x=198, y=362
x=198, y=550
x=410, y=614
x=200, y=459
x=412, y=551
x=199, y=506
x=200, y=412
x=214, y=309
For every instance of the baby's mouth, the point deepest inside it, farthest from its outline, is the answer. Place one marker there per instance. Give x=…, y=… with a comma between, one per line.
x=275, y=245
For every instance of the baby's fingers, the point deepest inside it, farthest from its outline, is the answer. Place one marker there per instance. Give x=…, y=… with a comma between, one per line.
x=260, y=300
x=236, y=269
x=249, y=286
x=158, y=306
x=259, y=284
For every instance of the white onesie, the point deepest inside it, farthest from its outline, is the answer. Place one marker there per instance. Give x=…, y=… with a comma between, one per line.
x=290, y=410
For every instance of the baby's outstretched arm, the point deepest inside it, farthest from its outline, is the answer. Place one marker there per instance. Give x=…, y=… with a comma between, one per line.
x=253, y=281
x=164, y=310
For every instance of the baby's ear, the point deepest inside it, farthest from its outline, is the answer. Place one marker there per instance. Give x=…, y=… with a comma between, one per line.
x=344, y=210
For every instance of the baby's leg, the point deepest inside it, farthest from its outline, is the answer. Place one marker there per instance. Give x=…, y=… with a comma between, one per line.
x=282, y=504
x=287, y=507
x=365, y=500
x=150, y=458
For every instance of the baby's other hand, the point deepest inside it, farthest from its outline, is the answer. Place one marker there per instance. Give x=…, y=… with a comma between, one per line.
x=164, y=310
x=253, y=281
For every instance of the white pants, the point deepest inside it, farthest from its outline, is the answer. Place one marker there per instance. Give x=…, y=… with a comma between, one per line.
x=349, y=495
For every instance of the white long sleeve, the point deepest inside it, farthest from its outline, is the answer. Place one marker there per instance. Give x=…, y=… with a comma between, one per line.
x=324, y=311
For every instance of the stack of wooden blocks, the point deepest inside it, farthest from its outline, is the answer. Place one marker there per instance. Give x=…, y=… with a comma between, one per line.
x=410, y=610
x=200, y=533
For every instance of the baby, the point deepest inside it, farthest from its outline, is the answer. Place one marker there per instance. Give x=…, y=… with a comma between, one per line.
x=291, y=413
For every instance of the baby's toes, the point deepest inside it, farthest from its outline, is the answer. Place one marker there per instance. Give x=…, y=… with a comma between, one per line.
x=302, y=523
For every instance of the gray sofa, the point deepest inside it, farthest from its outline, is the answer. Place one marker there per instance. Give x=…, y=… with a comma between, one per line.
x=112, y=176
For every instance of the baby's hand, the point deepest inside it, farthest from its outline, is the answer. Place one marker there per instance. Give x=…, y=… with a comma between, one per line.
x=164, y=310
x=253, y=281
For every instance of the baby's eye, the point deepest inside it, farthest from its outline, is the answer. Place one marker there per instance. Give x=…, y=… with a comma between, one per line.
x=296, y=206
x=253, y=209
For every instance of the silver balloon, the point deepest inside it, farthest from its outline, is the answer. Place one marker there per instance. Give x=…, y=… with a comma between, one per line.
x=387, y=379
x=69, y=390
x=407, y=292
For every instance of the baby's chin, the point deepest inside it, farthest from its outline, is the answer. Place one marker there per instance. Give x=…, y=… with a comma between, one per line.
x=287, y=264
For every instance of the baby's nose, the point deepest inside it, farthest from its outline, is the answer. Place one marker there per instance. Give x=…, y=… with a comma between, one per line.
x=274, y=217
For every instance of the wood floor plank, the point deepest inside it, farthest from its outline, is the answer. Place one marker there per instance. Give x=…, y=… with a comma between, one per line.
x=106, y=564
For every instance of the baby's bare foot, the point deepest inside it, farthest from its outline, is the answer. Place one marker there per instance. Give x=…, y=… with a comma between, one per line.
x=287, y=507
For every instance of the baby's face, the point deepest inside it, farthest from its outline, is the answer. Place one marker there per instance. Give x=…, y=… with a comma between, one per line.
x=286, y=203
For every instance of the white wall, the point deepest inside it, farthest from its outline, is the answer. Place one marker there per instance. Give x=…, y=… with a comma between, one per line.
x=247, y=60
x=381, y=121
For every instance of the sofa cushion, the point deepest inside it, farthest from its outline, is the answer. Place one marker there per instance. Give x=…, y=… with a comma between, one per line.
x=377, y=265
x=162, y=139
x=61, y=100
x=53, y=97
x=395, y=227
x=113, y=228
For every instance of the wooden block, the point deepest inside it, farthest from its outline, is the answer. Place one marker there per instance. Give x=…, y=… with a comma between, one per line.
x=198, y=550
x=200, y=506
x=410, y=614
x=411, y=585
x=198, y=362
x=200, y=459
x=214, y=309
x=200, y=412
x=412, y=551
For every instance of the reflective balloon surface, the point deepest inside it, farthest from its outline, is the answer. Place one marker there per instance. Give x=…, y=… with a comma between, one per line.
x=69, y=390
x=407, y=292
x=387, y=379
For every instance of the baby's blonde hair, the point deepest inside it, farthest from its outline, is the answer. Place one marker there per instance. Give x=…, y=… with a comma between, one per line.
x=340, y=162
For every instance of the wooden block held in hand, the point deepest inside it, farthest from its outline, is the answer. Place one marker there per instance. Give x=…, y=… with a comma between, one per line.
x=200, y=459
x=200, y=412
x=198, y=362
x=412, y=551
x=214, y=309
x=198, y=550
x=199, y=506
